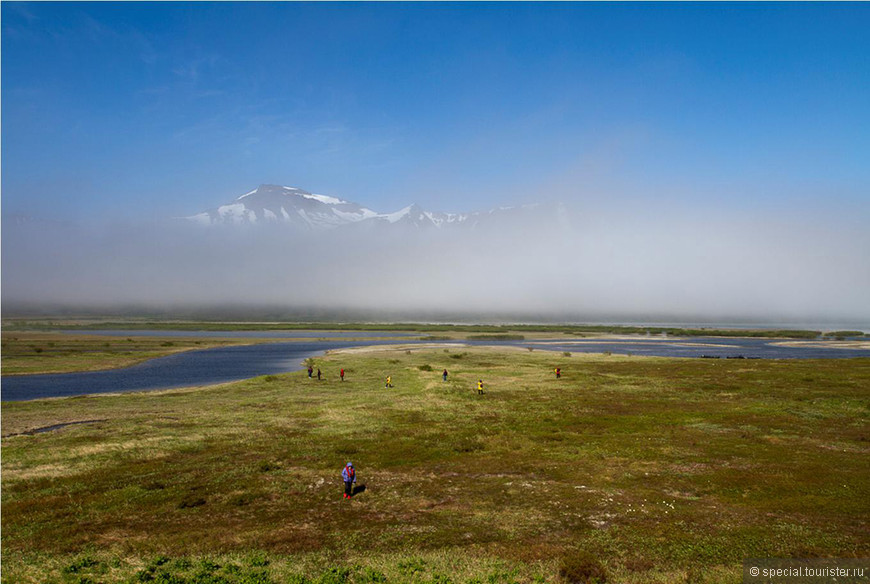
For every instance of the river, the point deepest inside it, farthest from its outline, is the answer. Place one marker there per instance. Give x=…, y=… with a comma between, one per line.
x=224, y=364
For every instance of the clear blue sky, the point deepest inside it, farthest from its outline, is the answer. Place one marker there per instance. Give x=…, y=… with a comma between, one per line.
x=154, y=109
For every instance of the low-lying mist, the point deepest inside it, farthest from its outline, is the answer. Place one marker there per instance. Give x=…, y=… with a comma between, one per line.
x=610, y=263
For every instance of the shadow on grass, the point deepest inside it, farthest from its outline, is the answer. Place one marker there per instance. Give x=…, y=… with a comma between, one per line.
x=357, y=490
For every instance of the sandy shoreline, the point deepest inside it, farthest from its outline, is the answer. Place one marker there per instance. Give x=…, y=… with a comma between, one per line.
x=824, y=344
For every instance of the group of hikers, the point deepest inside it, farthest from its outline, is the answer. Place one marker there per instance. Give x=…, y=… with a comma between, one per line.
x=319, y=374
x=348, y=473
x=389, y=382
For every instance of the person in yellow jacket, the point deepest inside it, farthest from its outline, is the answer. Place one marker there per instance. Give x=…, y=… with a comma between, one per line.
x=389, y=381
x=479, y=386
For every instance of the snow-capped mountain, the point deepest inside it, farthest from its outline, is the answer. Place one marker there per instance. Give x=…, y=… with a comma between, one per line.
x=275, y=204
x=271, y=204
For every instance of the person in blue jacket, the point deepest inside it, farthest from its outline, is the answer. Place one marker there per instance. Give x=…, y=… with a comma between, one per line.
x=348, y=475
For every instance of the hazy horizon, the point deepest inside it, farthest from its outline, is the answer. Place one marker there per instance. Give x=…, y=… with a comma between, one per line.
x=630, y=262
x=338, y=315
x=711, y=160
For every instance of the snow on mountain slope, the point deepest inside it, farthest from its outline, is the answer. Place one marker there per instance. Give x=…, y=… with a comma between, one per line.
x=294, y=207
x=279, y=204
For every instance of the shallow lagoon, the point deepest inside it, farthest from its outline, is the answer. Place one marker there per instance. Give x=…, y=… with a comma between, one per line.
x=225, y=364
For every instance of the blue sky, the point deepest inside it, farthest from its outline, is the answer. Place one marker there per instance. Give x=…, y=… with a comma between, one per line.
x=119, y=110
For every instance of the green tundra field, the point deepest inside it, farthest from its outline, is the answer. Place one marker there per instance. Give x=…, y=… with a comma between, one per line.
x=627, y=469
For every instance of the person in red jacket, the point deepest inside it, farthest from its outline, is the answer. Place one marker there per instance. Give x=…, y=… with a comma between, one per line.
x=342, y=374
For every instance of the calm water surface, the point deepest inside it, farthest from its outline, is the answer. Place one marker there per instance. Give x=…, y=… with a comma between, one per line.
x=244, y=334
x=224, y=364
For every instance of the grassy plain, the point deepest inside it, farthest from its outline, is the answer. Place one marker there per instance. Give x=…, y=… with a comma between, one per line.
x=634, y=469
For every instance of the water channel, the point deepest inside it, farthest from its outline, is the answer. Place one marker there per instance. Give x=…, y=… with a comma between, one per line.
x=224, y=364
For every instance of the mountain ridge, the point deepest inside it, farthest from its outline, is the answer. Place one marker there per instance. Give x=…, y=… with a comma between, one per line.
x=298, y=208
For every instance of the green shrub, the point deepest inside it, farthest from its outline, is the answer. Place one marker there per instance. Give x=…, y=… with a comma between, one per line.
x=258, y=561
x=182, y=564
x=502, y=576
x=370, y=576
x=334, y=576
x=256, y=577
x=424, y=367
x=206, y=566
x=81, y=564
x=412, y=566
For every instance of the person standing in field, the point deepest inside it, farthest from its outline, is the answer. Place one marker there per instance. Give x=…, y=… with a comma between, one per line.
x=310, y=371
x=342, y=374
x=480, y=387
x=444, y=375
x=348, y=475
x=389, y=381
x=318, y=374
x=558, y=372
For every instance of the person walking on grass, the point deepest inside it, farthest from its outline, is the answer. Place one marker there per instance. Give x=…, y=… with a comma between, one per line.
x=348, y=475
x=310, y=371
x=480, y=387
x=318, y=374
x=444, y=375
x=558, y=372
x=389, y=381
x=342, y=374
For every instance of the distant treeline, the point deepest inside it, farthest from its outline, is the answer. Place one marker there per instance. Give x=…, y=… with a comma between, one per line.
x=502, y=332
